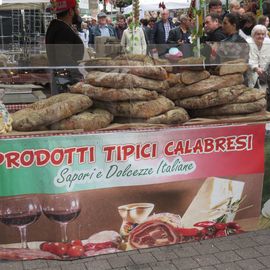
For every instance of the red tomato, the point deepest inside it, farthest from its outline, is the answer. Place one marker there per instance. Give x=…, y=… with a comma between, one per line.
x=75, y=251
x=60, y=249
x=76, y=243
x=47, y=246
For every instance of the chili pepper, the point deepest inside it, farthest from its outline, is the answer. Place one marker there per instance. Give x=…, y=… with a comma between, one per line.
x=188, y=231
x=220, y=226
x=204, y=224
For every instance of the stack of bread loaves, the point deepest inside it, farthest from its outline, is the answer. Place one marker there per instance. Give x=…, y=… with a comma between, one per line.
x=142, y=90
x=217, y=96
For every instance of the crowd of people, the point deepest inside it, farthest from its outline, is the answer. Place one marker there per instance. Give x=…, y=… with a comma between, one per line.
x=227, y=35
x=236, y=33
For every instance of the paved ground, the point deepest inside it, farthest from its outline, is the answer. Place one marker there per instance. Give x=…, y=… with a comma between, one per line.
x=248, y=251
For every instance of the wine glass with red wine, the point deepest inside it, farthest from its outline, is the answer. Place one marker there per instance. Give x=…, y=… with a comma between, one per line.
x=19, y=212
x=62, y=208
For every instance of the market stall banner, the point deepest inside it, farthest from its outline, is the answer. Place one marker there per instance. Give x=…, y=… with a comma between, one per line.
x=73, y=196
x=58, y=164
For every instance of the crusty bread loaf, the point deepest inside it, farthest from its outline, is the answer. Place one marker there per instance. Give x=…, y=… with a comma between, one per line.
x=138, y=68
x=218, y=97
x=49, y=111
x=250, y=95
x=165, y=63
x=191, y=63
x=135, y=57
x=124, y=80
x=229, y=109
x=173, y=79
x=190, y=77
x=211, y=84
x=112, y=94
x=88, y=121
x=231, y=67
x=137, y=109
x=174, y=116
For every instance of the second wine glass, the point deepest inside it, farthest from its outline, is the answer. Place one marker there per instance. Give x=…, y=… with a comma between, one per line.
x=62, y=208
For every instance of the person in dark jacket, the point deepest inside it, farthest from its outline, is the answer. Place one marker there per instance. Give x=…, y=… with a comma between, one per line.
x=160, y=33
x=121, y=25
x=63, y=46
x=233, y=46
x=213, y=29
x=214, y=35
x=101, y=29
x=180, y=36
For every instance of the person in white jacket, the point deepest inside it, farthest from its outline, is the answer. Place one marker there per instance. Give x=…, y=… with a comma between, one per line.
x=259, y=55
x=133, y=39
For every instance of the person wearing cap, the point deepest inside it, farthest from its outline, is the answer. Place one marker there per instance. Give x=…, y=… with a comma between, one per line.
x=102, y=29
x=63, y=45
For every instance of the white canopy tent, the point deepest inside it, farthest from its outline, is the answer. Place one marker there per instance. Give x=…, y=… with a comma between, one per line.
x=152, y=5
